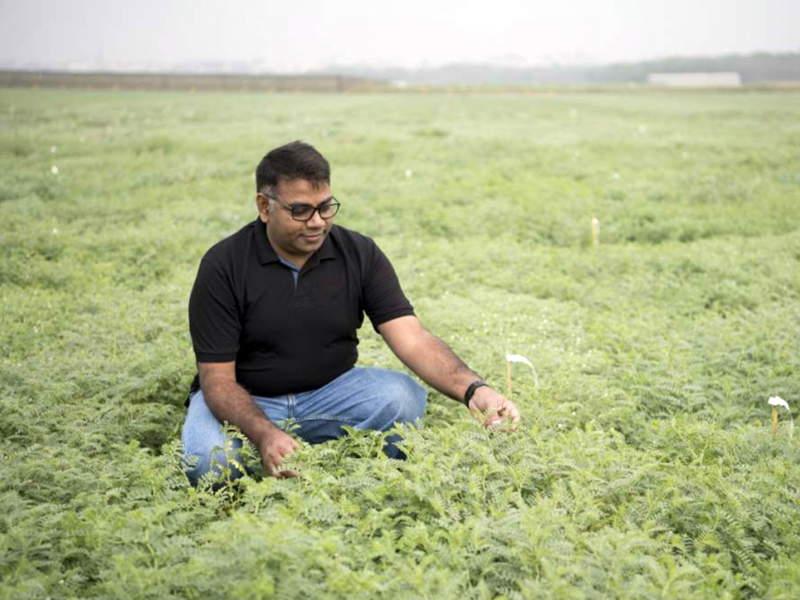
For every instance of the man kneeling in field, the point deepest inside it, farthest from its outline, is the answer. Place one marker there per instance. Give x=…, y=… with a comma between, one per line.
x=273, y=316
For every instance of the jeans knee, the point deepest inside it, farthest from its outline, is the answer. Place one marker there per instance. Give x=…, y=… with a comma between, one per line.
x=405, y=398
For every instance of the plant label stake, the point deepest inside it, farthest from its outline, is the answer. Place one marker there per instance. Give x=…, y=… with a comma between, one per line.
x=595, y=231
x=777, y=401
x=512, y=358
x=508, y=378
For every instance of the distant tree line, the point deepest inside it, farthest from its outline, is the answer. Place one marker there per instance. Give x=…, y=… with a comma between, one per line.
x=183, y=81
x=753, y=68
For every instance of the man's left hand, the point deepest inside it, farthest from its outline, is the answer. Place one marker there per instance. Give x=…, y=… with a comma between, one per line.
x=494, y=409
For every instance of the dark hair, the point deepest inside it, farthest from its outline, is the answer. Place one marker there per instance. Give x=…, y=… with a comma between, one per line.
x=296, y=160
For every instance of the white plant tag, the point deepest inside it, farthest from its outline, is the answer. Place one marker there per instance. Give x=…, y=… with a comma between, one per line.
x=778, y=401
x=521, y=359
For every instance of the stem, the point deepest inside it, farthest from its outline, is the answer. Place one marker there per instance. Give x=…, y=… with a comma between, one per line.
x=508, y=379
x=774, y=420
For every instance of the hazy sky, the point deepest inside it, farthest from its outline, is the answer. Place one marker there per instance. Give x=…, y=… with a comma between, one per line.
x=311, y=34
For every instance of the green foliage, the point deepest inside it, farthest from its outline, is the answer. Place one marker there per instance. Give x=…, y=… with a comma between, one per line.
x=644, y=467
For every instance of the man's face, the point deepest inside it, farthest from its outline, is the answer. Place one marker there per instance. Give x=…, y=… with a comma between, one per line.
x=295, y=240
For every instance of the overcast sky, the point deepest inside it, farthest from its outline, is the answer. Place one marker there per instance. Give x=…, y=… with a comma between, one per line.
x=310, y=34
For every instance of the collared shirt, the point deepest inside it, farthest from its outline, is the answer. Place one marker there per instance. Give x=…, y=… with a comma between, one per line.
x=289, y=337
x=293, y=268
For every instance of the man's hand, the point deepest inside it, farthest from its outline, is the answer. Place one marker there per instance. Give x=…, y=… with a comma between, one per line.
x=273, y=448
x=493, y=408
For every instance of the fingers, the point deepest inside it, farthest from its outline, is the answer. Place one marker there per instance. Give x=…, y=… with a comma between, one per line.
x=274, y=470
x=282, y=474
x=506, y=417
x=512, y=414
x=273, y=457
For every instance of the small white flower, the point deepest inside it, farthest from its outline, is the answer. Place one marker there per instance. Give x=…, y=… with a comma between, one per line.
x=409, y=173
x=54, y=170
x=53, y=149
x=616, y=176
x=55, y=230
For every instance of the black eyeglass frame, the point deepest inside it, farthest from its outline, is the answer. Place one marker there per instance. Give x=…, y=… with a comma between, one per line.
x=331, y=202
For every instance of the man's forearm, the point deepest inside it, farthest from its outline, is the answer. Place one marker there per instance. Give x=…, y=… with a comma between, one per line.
x=228, y=401
x=436, y=364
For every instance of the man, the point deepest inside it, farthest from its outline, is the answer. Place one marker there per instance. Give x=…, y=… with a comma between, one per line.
x=273, y=316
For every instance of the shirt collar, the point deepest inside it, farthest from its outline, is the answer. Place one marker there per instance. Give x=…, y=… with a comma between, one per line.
x=266, y=253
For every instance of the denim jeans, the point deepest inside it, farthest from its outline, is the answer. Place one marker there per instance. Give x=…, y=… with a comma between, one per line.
x=365, y=398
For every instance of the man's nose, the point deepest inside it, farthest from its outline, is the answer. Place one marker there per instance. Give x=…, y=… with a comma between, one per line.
x=316, y=220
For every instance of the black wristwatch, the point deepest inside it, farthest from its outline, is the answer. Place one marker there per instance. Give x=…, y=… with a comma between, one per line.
x=471, y=390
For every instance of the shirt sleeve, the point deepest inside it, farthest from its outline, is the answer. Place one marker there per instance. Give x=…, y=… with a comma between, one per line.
x=384, y=299
x=214, y=320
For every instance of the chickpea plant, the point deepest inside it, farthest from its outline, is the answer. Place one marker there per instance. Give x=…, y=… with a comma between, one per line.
x=641, y=468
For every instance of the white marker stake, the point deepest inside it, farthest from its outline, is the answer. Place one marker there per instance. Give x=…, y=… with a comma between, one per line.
x=777, y=401
x=512, y=358
x=595, y=231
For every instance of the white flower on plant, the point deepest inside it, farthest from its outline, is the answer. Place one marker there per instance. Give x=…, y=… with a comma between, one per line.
x=53, y=149
x=54, y=170
x=409, y=173
x=55, y=230
x=616, y=176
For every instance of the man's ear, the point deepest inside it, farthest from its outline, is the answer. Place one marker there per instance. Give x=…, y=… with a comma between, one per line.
x=262, y=204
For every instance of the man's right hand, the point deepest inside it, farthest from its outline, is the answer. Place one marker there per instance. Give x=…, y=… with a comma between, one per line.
x=273, y=448
x=228, y=401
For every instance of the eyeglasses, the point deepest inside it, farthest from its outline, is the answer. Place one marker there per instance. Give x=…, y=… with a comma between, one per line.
x=305, y=212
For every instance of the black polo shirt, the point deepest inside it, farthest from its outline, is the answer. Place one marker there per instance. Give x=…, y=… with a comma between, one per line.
x=288, y=338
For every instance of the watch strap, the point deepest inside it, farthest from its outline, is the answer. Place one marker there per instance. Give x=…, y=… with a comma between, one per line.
x=471, y=390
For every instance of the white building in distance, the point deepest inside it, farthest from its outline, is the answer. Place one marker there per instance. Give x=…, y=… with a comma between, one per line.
x=695, y=80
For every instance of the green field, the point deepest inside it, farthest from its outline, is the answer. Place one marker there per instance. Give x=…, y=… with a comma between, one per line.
x=645, y=466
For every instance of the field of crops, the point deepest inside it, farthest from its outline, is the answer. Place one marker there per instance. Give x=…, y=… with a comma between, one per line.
x=645, y=466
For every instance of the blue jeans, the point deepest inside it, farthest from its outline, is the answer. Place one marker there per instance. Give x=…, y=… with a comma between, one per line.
x=364, y=398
